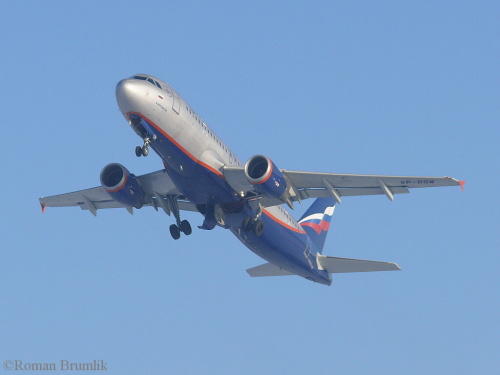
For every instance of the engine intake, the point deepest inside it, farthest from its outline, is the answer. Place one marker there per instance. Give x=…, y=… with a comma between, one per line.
x=121, y=185
x=266, y=178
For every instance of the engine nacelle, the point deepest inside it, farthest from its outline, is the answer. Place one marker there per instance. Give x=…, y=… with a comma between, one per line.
x=121, y=185
x=266, y=178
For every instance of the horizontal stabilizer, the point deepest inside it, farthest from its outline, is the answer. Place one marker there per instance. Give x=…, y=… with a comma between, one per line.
x=267, y=269
x=344, y=265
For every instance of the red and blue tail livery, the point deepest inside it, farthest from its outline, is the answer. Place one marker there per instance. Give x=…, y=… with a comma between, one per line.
x=202, y=174
x=316, y=220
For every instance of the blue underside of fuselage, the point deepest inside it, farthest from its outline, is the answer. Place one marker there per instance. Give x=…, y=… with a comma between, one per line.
x=278, y=244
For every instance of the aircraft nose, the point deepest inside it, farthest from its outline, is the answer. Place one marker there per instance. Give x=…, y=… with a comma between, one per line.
x=125, y=91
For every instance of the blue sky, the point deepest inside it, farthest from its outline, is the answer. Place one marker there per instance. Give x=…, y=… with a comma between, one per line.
x=387, y=87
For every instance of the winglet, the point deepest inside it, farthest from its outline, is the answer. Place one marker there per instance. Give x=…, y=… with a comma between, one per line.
x=461, y=183
x=43, y=207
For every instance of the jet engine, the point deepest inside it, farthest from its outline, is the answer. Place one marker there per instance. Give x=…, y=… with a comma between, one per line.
x=121, y=185
x=266, y=178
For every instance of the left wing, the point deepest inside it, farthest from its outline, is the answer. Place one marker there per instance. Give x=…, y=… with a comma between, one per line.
x=158, y=187
x=304, y=185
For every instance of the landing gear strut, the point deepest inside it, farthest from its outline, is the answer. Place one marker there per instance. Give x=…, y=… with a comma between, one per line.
x=254, y=223
x=181, y=226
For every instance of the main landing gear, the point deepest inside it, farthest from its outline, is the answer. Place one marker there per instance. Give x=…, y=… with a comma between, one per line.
x=253, y=222
x=256, y=226
x=144, y=150
x=181, y=226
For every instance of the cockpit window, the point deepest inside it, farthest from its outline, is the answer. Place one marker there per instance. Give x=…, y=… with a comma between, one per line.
x=150, y=80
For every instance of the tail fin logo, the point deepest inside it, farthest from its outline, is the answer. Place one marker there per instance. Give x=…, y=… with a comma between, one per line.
x=319, y=222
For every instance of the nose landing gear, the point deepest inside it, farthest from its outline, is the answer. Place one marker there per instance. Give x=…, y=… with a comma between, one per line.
x=144, y=150
x=141, y=151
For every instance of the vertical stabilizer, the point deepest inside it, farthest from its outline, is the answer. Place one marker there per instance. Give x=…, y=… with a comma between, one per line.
x=316, y=220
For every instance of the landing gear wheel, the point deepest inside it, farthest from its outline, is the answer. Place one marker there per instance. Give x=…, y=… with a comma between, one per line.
x=186, y=227
x=138, y=151
x=258, y=228
x=245, y=225
x=175, y=232
x=145, y=151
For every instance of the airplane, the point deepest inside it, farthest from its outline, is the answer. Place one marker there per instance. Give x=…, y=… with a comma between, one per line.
x=202, y=174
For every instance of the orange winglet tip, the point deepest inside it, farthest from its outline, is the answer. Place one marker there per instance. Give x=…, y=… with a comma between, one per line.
x=461, y=183
x=43, y=207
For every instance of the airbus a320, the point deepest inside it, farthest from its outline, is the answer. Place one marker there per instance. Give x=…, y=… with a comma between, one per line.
x=202, y=174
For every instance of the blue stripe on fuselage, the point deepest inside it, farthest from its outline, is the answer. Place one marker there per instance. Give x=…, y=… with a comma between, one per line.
x=201, y=184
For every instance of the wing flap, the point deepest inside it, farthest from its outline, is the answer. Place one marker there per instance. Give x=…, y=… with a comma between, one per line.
x=346, y=265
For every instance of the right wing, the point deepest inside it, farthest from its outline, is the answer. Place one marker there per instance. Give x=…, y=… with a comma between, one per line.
x=157, y=185
x=315, y=185
x=304, y=185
